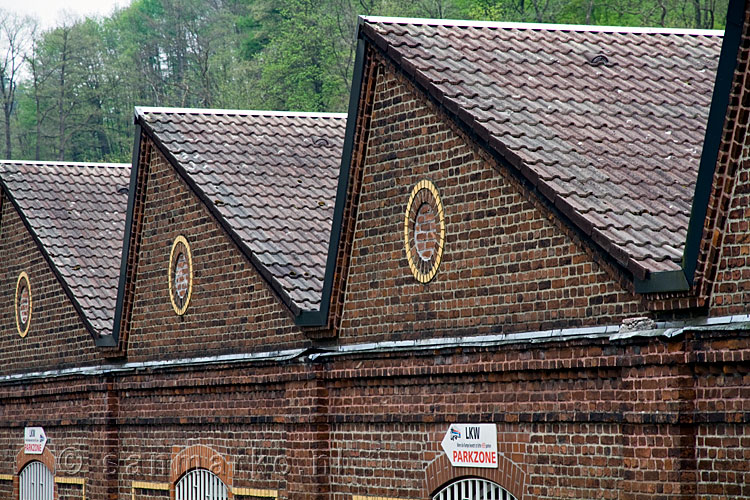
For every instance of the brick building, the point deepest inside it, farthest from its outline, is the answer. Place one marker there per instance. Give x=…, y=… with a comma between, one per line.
x=524, y=243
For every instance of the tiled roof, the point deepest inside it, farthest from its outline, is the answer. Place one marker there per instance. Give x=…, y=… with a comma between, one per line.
x=271, y=176
x=77, y=211
x=614, y=142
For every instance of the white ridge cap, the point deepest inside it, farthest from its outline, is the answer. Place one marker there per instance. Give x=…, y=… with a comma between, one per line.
x=542, y=26
x=58, y=163
x=139, y=110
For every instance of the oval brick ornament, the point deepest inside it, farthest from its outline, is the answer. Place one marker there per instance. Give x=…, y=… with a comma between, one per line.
x=424, y=231
x=23, y=304
x=180, y=275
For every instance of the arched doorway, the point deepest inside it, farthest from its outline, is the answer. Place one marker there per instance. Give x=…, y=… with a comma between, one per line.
x=36, y=482
x=200, y=484
x=473, y=488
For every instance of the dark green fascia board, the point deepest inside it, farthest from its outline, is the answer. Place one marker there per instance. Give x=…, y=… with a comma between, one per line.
x=714, y=129
x=312, y=318
x=320, y=318
x=681, y=280
x=114, y=340
x=665, y=281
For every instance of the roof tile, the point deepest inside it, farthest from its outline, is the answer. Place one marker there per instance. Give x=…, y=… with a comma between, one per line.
x=615, y=146
x=78, y=213
x=276, y=176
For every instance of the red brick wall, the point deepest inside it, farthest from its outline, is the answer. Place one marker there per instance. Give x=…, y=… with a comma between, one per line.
x=723, y=454
x=731, y=289
x=258, y=418
x=231, y=309
x=508, y=264
x=723, y=406
x=591, y=418
x=56, y=338
x=68, y=411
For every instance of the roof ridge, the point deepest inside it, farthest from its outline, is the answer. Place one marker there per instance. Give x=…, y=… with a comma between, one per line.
x=140, y=110
x=543, y=26
x=57, y=163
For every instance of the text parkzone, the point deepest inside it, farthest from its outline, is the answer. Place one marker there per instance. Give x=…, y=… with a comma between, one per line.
x=475, y=457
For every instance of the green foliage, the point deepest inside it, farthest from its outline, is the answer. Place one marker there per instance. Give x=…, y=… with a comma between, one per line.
x=83, y=78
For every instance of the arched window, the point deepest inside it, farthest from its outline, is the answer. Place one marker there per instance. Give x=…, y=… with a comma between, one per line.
x=36, y=482
x=201, y=484
x=473, y=489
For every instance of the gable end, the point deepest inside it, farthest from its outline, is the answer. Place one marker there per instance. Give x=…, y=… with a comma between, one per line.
x=68, y=292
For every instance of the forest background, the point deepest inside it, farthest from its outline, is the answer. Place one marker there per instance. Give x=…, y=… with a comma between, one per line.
x=68, y=92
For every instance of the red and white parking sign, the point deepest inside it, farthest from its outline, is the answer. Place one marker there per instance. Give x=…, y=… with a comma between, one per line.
x=471, y=445
x=34, y=440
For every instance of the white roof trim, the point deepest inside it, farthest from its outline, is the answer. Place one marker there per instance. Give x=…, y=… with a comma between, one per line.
x=541, y=26
x=63, y=163
x=139, y=110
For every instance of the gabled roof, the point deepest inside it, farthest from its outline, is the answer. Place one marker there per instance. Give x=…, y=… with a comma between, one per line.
x=76, y=212
x=271, y=179
x=608, y=123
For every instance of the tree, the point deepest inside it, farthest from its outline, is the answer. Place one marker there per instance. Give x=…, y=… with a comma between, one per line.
x=74, y=99
x=15, y=33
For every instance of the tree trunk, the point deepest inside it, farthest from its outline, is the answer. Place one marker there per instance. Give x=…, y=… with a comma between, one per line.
x=61, y=103
x=697, y=4
x=38, y=129
x=6, y=111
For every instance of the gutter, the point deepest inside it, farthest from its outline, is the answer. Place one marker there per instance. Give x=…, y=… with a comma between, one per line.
x=98, y=370
x=613, y=333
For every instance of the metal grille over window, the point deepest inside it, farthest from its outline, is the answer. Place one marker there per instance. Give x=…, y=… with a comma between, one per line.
x=36, y=482
x=201, y=484
x=473, y=489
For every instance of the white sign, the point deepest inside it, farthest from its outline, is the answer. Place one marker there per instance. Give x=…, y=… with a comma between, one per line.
x=34, y=440
x=471, y=445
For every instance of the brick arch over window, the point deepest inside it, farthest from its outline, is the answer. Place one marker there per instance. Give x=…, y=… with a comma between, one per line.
x=22, y=460
x=47, y=458
x=199, y=456
x=508, y=475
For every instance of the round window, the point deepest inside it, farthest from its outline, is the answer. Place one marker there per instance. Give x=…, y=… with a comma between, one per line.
x=424, y=231
x=180, y=275
x=23, y=304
